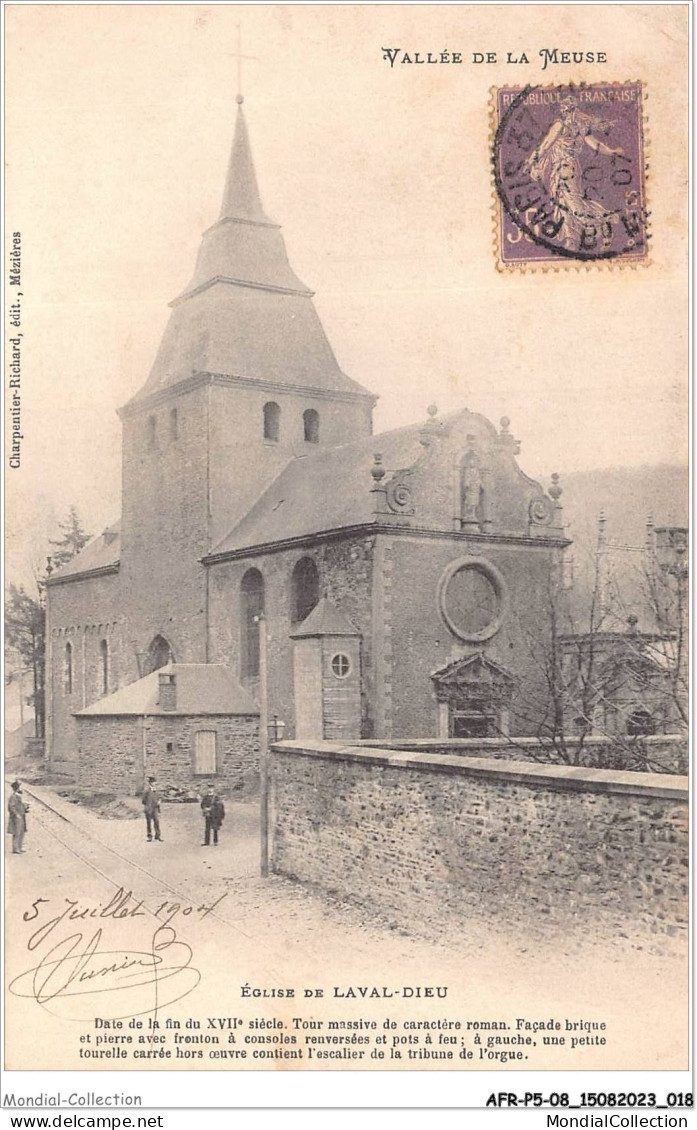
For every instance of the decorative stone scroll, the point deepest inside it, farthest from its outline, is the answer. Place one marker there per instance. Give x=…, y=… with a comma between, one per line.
x=399, y=493
x=541, y=510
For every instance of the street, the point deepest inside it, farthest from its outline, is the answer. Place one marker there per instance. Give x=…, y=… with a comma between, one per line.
x=233, y=945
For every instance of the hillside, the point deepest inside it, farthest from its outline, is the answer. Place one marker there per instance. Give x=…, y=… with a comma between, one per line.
x=627, y=496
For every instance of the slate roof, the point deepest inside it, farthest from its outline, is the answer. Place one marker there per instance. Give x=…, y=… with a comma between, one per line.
x=202, y=688
x=245, y=313
x=102, y=552
x=327, y=490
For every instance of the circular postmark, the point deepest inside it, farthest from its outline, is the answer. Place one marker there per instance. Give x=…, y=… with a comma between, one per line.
x=569, y=173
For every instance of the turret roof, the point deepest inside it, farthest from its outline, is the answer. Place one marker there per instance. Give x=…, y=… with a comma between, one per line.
x=325, y=620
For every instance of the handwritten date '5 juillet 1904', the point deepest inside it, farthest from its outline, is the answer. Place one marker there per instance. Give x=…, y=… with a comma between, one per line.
x=73, y=969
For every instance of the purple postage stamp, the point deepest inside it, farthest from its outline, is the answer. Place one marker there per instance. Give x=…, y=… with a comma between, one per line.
x=569, y=173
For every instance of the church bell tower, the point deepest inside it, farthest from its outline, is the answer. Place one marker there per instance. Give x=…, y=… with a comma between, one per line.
x=244, y=382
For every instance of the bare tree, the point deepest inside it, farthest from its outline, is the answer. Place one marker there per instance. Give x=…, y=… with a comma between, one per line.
x=596, y=675
x=664, y=584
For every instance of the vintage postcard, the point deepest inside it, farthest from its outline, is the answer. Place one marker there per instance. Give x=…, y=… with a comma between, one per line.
x=346, y=606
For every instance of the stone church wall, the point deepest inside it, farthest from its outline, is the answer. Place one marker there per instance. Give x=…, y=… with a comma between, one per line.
x=345, y=574
x=243, y=463
x=443, y=839
x=82, y=613
x=117, y=753
x=165, y=527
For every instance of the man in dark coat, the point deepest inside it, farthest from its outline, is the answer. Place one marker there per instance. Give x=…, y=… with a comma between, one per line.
x=151, y=808
x=17, y=810
x=213, y=811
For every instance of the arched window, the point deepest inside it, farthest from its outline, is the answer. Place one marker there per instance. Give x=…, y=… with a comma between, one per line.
x=251, y=606
x=68, y=669
x=173, y=424
x=304, y=589
x=159, y=654
x=311, y=425
x=152, y=433
x=272, y=421
x=104, y=656
x=640, y=723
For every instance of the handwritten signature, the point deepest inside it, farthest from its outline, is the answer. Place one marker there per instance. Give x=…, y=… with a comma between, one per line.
x=142, y=980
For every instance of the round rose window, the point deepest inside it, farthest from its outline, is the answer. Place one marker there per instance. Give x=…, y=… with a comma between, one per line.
x=472, y=597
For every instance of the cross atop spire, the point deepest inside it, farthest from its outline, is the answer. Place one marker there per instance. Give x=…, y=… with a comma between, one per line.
x=241, y=198
x=239, y=56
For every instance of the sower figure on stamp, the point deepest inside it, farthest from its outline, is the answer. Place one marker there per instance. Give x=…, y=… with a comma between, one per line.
x=17, y=821
x=556, y=164
x=151, y=808
x=214, y=813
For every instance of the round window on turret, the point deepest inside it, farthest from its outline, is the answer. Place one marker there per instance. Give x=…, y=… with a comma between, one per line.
x=341, y=665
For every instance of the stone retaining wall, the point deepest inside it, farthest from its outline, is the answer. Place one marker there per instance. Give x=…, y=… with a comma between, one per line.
x=431, y=837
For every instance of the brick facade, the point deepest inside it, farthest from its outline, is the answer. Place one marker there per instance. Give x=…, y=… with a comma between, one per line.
x=417, y=641
x=440, y=838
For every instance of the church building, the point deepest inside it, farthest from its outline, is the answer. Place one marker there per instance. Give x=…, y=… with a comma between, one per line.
x=398, y=579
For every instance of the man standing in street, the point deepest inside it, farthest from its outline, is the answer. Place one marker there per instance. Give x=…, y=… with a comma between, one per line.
x=151, y=808
x=17, y=823
x=213, y=811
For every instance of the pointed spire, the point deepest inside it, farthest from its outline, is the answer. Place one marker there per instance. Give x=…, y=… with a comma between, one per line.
x=229, y=320
x=241, y=199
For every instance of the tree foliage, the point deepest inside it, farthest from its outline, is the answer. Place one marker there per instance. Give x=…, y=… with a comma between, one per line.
x=72, y=539
x=25, y=635
x=25, y=617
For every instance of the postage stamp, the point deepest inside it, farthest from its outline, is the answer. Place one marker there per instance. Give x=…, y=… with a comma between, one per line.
x=570, y=175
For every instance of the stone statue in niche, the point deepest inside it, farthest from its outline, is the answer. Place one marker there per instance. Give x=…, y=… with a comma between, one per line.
x=471, y=491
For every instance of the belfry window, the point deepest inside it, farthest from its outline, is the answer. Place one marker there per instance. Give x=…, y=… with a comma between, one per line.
x=68, y=669
x=272, y=422
x=304, y=589
x=104, y=657
x=251, y=607
x=311, y=425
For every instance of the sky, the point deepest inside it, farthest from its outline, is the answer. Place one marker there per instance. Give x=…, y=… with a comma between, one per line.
x=119, y=125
